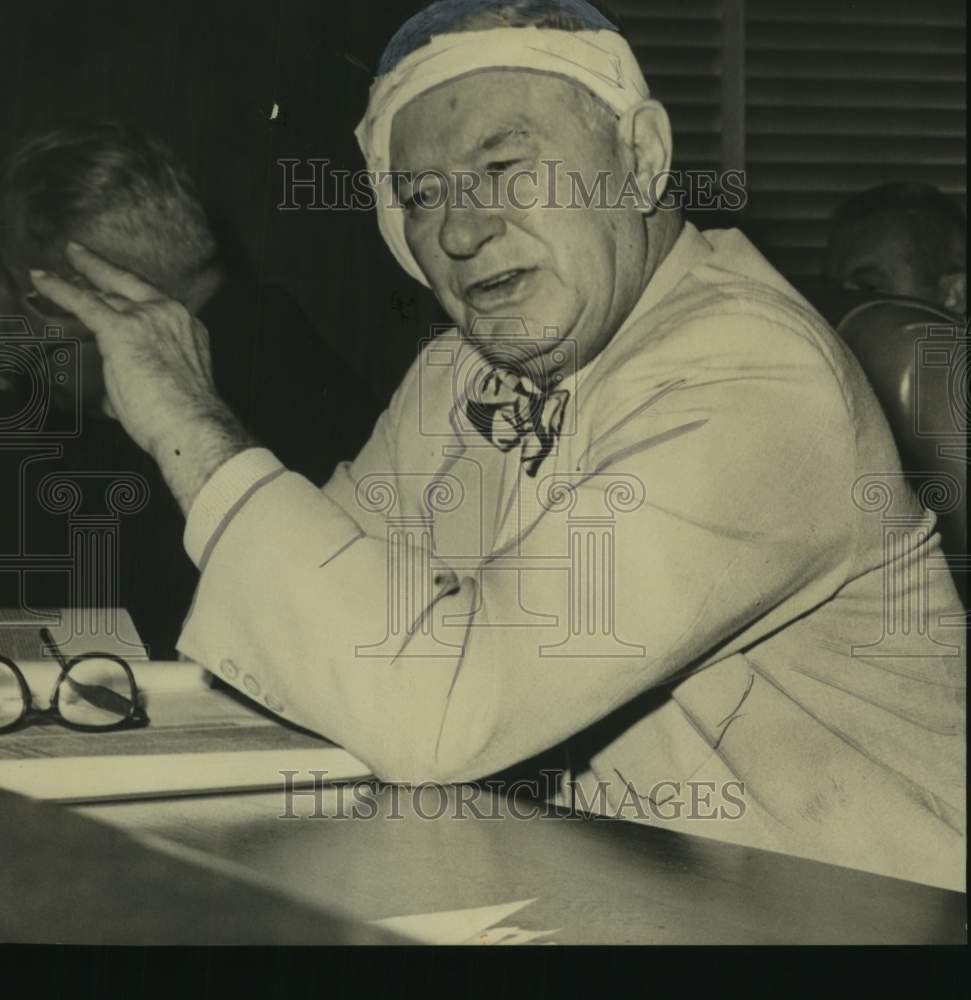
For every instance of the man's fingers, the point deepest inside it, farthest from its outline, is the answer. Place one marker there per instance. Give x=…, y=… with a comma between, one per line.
x=107, y=277
x=117, y=302
x=89, y=307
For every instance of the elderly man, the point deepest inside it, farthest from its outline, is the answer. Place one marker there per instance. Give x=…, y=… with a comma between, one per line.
x=629, y=509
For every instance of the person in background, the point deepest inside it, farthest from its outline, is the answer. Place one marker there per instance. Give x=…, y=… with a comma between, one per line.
x=125, y=193
x=893, y=280
x=904, y=239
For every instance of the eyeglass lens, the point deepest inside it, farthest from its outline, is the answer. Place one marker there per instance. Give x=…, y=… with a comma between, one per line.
x=11, y=696
x=95, y=692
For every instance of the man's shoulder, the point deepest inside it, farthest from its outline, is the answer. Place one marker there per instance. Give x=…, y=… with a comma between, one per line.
x=736, y=286
x=725, y=342
x=719, y=319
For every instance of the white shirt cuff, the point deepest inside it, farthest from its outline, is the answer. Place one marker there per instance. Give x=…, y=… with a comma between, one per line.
x=230, y=486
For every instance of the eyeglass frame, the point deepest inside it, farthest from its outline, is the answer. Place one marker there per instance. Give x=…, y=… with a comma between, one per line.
x=136, y=718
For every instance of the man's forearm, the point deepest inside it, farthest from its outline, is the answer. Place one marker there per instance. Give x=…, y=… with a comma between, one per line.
x=189, y=453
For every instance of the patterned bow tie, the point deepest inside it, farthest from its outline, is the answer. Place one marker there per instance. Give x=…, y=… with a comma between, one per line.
x=508, y=409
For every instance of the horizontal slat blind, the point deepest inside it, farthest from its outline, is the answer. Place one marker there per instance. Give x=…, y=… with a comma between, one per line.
x=842, y=95
x=679, y=46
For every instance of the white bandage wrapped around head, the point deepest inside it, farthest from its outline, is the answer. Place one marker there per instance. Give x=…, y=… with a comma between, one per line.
x=600, y=61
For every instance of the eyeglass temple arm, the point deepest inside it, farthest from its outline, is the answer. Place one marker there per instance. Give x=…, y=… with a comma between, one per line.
x=48, y=641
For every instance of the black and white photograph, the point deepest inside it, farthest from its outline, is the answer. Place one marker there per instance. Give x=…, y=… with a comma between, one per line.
x=483, y=472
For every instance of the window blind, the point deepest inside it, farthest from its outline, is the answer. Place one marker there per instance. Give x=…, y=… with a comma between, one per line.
x=815, y=101
x=679, y=45
x=840, y=96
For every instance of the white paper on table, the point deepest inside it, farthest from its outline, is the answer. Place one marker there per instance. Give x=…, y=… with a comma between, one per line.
x=461, y=926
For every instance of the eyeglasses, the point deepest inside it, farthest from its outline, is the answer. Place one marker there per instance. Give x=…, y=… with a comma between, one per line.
x=95, y=693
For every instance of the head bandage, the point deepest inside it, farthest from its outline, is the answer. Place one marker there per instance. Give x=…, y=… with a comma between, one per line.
x=600, y=61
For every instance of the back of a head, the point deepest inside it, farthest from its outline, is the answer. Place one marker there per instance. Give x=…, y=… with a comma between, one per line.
x=451, y=16
x=111, y=187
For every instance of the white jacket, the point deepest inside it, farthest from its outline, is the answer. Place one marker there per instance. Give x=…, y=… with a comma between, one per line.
x=718, y=575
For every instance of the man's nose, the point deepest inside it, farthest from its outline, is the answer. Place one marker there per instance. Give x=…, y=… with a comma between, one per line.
x=467, y=229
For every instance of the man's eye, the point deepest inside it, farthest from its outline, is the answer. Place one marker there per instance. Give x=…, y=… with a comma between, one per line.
x=420, y=199
x=500, y=166
x=427, y=196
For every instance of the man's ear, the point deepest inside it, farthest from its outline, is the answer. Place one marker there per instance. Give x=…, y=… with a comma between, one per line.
x=952, y=292
x=645, y=131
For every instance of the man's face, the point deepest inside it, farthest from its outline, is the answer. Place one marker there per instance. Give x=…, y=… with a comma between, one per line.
x=579, y=270
x=875, y=257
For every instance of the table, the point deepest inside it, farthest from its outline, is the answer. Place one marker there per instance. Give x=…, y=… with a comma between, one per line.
x=594, y=881
x=66, y=879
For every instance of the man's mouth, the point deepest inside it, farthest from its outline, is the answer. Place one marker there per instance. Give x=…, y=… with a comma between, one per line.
x=505, y=288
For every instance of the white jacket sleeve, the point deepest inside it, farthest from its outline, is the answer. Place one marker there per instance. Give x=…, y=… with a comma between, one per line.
x=743, y=523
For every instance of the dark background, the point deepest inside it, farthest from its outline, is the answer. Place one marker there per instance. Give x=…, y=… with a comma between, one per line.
x=204, y=75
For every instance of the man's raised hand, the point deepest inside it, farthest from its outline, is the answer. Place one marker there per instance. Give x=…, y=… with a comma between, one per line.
x=158, y=371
